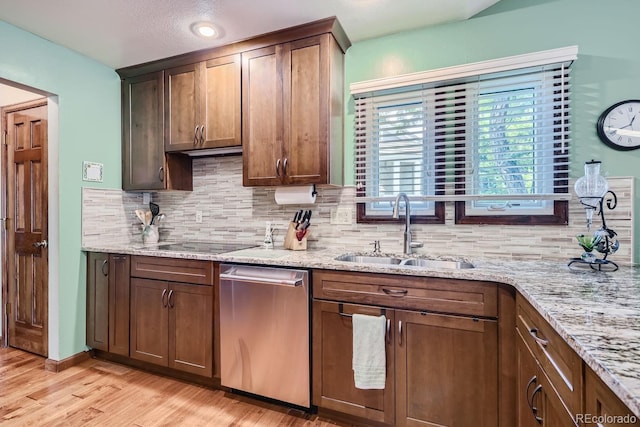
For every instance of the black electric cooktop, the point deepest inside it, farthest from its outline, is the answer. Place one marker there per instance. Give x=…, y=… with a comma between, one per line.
x=204, y=247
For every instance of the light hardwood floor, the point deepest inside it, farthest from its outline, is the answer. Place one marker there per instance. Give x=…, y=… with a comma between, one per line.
x=99, y=393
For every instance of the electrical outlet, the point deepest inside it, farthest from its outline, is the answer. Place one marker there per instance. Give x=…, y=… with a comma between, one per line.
x=341, y=216
x=146, y=198
x=198, y=217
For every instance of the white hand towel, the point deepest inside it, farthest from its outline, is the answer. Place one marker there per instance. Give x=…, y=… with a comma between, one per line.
x=369, y=357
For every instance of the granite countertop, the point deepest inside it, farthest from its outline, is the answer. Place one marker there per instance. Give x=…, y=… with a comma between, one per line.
x=597, y=313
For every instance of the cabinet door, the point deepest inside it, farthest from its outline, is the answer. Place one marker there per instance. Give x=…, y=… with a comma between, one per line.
x=602, y=404
x=333, y=383
x=182, y=107
x=306, y=98
x=527, y=397
x=119, y=304
x=142, y=118
x=446, y=370
x=98, y=301
x=149, y=321
x=221, y=115
x=191, y=328
x=262, y=117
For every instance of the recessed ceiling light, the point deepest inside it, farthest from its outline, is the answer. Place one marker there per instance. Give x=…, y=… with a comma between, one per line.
x=204, y=29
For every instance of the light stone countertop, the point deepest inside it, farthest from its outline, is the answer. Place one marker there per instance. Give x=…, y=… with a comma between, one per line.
x=597, y=313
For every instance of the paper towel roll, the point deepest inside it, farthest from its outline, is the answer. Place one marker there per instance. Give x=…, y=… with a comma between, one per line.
x=296, y=195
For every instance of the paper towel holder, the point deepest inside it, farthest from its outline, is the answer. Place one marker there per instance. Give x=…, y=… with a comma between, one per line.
x=296, y=194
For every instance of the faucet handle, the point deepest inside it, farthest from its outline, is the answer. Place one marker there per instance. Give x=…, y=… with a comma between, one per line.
x=376, y=246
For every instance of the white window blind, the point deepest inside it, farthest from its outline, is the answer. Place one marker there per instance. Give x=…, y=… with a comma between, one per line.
x=498, y=140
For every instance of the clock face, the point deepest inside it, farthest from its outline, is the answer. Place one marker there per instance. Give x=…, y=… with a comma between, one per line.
x=619, y=125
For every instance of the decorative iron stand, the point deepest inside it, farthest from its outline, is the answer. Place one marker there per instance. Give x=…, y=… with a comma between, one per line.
x=607, y=244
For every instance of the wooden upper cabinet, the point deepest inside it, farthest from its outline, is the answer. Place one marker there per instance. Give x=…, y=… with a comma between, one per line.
x=292, y=113
x=203, y=104
x=145, y=167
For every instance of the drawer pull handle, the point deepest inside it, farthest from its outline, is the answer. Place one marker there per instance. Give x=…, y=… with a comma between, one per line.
x=278, y=167
x=170, y=299
x=534, y=409
x=164, y=293
x=388, y=331
x=104, y=264
x=395, y=292
x=534, y=334
x=400, y=332
x=532, y=381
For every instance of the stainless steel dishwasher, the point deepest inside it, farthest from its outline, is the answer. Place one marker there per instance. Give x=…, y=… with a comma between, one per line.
x=264, y=332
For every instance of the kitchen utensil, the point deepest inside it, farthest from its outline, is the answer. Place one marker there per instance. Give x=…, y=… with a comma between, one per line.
x=155, y=210
x=147, y=218
x=140, y=215
x=158, y=218
x=297, y=218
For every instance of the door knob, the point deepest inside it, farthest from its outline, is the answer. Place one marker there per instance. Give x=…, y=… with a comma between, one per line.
x=41, y=244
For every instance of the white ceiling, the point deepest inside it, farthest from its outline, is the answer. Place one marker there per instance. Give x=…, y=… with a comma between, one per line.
x=120, y=33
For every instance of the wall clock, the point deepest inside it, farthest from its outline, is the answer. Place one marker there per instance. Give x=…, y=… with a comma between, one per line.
x=619, y=125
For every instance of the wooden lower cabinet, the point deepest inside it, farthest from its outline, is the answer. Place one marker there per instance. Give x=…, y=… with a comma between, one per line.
x=539, y=404
x=442, y=370
x=602, y=407
x=172, y=325
x=98, y=300
x=446, y=370
x=108, y=302
x=333, y=385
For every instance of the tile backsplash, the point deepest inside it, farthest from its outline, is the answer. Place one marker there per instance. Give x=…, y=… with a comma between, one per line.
x=233, y=212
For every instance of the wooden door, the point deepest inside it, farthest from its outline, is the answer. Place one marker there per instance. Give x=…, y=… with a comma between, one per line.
x=554, y=411
x=446, y=370
x=191, y=328
x=27, y=210
x=602, y=403
x=118, y=298
x=98, y=301
x=149, y=321
x=333, y=384
x=183, y=105
x=143, y=161
x=529, y=405
x=221, y=117
x=262, y=117
x=306, y=98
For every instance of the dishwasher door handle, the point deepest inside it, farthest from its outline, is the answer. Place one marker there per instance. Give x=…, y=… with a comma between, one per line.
x=262, y=280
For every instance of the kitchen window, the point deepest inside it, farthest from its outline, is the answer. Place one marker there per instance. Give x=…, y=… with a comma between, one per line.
x=493, y=137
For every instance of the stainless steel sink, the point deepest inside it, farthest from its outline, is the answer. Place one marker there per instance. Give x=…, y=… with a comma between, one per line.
x=364, y=259
x=412, y=262
x=437, y=263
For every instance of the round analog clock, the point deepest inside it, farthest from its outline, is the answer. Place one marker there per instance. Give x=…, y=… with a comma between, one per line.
x=619, y=125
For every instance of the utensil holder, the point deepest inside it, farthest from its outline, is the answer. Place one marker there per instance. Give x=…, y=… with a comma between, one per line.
x=150, y=234
x=292, y=242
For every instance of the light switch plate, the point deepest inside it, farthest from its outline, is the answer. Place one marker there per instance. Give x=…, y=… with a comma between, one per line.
x=341, y=216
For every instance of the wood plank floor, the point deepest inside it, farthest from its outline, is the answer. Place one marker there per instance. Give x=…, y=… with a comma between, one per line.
x=99, y=393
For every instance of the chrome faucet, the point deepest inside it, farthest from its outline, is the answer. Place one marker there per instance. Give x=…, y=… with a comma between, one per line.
x=408, y=245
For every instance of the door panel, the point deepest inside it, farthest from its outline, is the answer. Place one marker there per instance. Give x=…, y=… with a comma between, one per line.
x=182, y=101
x=191, y=328
x=261, y=117
x=446, y=370
x=333, y=383
x=149, y=321
x=27, y=208
x=118, y=297
x=222, y=115
x=306, y=112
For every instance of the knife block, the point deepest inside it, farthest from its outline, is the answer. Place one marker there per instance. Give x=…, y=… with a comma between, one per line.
x=292, y=242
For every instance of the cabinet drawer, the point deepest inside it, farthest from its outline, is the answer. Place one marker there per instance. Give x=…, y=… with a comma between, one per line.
x=560, y=363
x=173, y=269
x=417, y=293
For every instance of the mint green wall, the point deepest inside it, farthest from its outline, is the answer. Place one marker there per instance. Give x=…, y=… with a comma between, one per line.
x=607, y=69
x=89, y=129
